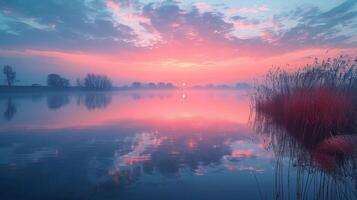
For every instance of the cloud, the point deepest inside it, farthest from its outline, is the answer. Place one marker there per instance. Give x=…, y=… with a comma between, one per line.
x=246, y=10
x=187, y=27
x=203, y=7
x=143, y=33
x=317, y=28
x=245, y=25
x=123, y=25
x=113, y=5
x=238, y=17
x=171, y=35
x=74, y=25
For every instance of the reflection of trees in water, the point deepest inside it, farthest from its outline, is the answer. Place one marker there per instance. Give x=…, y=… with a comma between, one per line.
x=57, y=101
x=94, y=101
x=10, y=109
x=325, y=163
x=37, y=97
x=10, y=106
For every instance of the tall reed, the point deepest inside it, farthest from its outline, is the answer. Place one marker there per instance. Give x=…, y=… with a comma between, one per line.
x=309, y=117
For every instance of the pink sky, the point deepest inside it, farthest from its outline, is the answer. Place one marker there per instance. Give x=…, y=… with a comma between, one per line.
x=169, y=41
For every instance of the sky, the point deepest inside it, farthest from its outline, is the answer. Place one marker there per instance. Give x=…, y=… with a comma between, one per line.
x=192, y=42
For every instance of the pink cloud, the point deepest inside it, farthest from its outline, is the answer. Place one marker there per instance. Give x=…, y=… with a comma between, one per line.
x=267, y=36
x=244, y=25
x=203, y=7
x=264, y=8
x=244, y=10
x=134, y=17
x=175, y=25
x=112, y=5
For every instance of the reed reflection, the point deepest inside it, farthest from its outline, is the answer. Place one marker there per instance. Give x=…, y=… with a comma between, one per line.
x=324, y=168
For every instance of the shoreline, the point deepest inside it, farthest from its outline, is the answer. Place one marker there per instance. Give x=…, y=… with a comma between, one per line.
x=40, y=89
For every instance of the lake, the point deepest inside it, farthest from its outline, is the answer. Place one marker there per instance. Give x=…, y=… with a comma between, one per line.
x=155, y=145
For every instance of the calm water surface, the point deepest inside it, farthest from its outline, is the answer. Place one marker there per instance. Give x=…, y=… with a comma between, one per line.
x=149, y=145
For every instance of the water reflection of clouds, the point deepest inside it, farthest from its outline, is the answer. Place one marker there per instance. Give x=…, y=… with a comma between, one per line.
x=111, y=163
x=162, y=150
x=10, y=154
x=112, y=156
x=138, y=154
x=171, y=154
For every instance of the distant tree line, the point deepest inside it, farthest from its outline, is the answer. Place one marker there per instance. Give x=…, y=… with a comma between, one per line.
x=55, y=80
x=96, y=82
x=237, y=86
x=102, y=82
x=151, y=85
x=90, y=81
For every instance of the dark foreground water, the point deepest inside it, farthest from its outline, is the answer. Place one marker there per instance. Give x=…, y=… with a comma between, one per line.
x=155, y=145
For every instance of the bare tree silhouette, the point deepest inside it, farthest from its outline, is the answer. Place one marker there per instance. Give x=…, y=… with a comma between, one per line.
x=96, y=82
x=10, y=75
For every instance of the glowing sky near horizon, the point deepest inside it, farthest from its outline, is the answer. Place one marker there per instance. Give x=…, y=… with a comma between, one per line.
x=192, y=42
